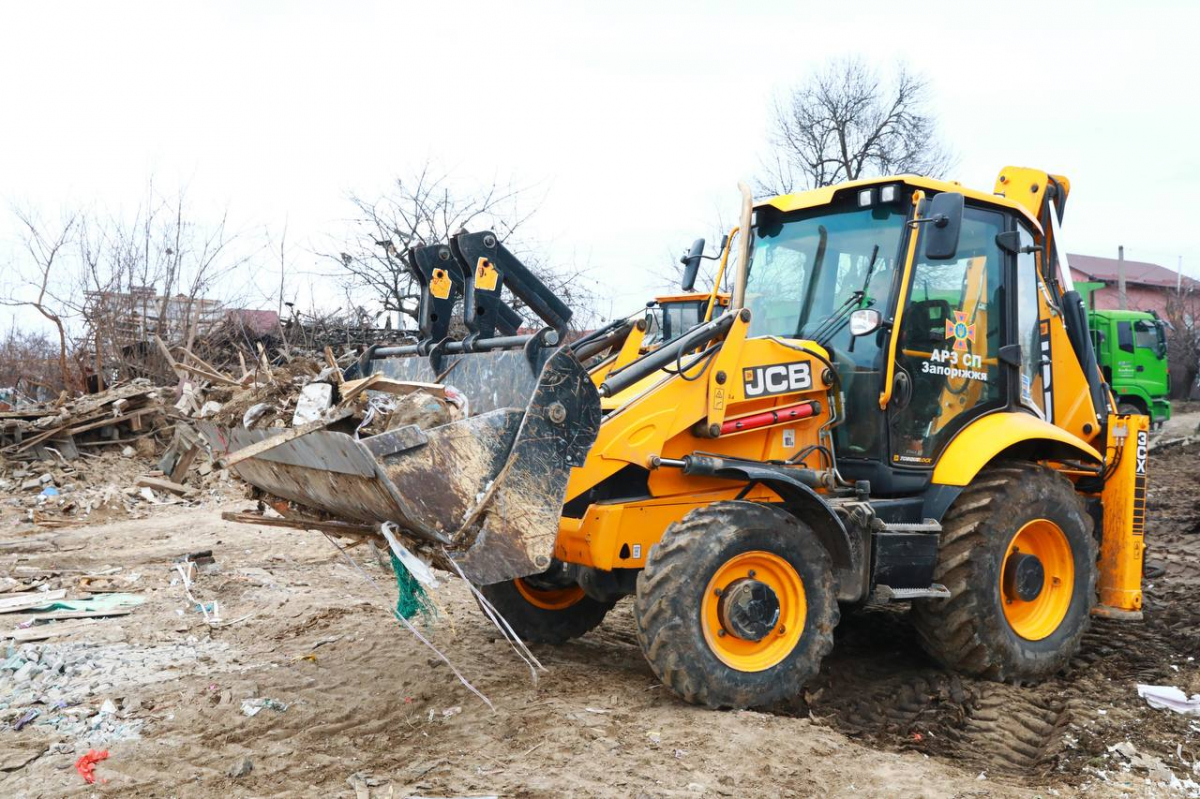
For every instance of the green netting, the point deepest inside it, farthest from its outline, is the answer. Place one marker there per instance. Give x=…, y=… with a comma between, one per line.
x=411, y=598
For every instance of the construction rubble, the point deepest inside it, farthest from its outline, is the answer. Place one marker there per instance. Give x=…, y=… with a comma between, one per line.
x=135, y=445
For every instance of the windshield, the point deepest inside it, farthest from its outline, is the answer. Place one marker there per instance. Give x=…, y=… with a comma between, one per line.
x=809, y=267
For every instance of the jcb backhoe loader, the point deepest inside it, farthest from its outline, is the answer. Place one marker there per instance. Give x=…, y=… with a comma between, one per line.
x=900, y=404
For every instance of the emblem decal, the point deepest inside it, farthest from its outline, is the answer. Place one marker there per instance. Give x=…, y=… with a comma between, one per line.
x=960, y=331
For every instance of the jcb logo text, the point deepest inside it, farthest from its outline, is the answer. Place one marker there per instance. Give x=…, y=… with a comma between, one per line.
x=778, y=378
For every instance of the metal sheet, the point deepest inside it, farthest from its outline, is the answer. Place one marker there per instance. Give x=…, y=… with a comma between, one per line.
x=490, y=380
x=335, y=452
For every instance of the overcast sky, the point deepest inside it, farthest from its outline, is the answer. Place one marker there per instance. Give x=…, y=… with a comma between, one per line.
x=632, y=121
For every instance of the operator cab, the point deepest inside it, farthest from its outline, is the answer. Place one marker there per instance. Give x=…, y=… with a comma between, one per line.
x=814, y=269
x=672, y=316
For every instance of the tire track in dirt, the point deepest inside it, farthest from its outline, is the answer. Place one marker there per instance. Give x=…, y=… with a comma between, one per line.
x=879, y=686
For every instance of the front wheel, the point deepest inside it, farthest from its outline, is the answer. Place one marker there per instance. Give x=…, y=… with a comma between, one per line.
x=736, y=606
x=545, y=614
x=1019, y=559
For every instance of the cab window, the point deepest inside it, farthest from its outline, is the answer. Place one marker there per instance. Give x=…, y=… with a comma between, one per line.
x=949, y=338
x=1125, y=336
x=1145, y=335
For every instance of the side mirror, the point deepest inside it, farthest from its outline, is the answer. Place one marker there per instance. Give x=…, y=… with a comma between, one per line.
x=691, y=264
x=944, y=225
x=864, y=321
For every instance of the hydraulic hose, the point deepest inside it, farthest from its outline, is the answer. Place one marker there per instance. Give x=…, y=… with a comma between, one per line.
x=651, y=363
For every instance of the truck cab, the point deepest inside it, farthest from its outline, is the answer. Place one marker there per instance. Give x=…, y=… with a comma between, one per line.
x=1131, y=347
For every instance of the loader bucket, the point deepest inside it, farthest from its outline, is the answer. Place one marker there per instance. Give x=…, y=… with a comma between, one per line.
x=489, y=488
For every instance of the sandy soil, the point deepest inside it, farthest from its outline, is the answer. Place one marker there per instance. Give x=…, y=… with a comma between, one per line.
x=1185, y=421
x=371, y=712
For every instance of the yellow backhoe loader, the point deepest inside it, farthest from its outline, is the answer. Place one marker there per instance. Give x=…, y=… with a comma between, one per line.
x=900, y=404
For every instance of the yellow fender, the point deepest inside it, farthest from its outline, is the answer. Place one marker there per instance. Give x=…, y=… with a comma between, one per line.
x=983, y=440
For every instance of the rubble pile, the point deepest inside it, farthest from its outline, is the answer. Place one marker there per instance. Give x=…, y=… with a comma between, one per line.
x=119, y=452
x=112, y=454
x=121, y=415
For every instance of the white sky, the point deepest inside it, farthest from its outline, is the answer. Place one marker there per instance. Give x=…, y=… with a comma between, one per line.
x=634, y=121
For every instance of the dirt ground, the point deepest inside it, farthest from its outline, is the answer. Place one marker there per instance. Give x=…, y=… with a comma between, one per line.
x=371, y=712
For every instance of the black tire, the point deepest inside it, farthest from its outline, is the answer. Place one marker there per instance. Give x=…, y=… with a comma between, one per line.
x=542, y=626
x=670, y=601
x=969, y=632
x=1129, y=408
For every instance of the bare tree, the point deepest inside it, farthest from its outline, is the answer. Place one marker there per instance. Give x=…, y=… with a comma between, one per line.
x=847, y=121
x=45, y=246
x=428, y=208
x=29, y=366
x=1183, y=341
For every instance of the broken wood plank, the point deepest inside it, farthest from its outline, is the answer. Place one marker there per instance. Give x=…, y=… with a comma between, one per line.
x=184, y=463
x=57, y=615
x=107, y=420
x=31, y=599
x=162, y=484
x=332, y=363
x=204, y=364
x=271, y=443
x=326, y=525
x=262, y=354
x=377, y=382
x=167, y=354
x=352, y=388
x=198, y=372
x=389, y=386
x=43, y=631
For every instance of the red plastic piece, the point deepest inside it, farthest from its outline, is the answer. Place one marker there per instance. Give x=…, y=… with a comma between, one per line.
x=86, y=765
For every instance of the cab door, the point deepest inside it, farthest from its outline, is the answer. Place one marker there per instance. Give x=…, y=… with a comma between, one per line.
x=950, y=337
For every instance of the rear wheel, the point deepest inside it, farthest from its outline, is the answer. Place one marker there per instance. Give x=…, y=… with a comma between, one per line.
x=1019, y=559
x=1128, y=408
x=736, y=605
x=543, y=613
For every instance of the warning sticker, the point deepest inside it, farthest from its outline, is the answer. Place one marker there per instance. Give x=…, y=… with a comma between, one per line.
x=439, y=285
x=486, y=275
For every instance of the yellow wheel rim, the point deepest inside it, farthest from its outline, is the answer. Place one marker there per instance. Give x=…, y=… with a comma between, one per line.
x=549, y=598
x=781, y=577
x=1037, y=618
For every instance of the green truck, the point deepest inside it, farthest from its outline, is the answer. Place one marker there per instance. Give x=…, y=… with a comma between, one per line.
x=1131, y=347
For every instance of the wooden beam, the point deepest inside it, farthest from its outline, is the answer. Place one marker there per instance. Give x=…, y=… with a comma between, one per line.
x=163, y=484
x=377, y=382
x=167, y=354
x=268, y=444
x=327, y=526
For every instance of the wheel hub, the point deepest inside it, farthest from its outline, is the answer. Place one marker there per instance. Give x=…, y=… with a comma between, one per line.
x=1024, y=576
x=749, y=609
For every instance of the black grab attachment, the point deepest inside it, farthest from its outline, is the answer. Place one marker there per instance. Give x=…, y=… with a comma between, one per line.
x=470, y=272
x=488, y=267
